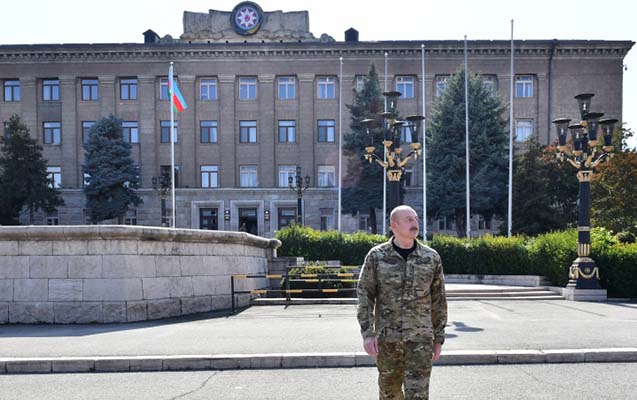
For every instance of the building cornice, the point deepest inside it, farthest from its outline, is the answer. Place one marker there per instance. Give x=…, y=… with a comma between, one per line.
x=193, y=52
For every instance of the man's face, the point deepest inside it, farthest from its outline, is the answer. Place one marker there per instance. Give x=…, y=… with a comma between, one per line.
x=405, y=225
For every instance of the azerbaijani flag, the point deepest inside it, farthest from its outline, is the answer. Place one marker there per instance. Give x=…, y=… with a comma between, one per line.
x=177, y=99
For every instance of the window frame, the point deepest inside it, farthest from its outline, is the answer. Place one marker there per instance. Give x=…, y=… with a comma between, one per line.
x=326, y=172
x=518, y=127
x=54, y=174
x=131, y=88
x=288, y=86
x=165, y=125
x=130, y=131
x=406, y=81
x=52, y=87
x=211, y=130
x=326, y=130
x=285, y=172
x=14, y=89
x=211, y=85
x=248, y=131
x=51, y=133
x=440, y=84
x=524, y=86
x=323, y=86
x=251, y=174
x=287, y=127
x=247, y=83
x=92, y=85
x=211, y=174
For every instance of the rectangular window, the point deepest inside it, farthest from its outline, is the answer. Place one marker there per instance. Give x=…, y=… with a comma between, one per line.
x=247, y=131
x=12, y=90
x=128, y=89
x=523, y=129
x=524, y=86
x=484, y=223
x=363, y=223
x=52, y=132
x=408, y=177
x=286, y=88
x=247, y=88
x=405, y=85
x=130, y=131
x=248, y=175
x=208, y=131
x=326, y=130
x=209, y=176
x=326, y=87
x=86, y=130
x=163, y=89
x=52, y=218
x=286, y=216
x=55, y=177
x=130, y=218
x=441, y=84
x=208, y=89
x=287, y=131
x=360, y=83
x=164, y=170
x=488, y=81
x=327, y=219
x=51, y=90
x=286, y=172
x=90, y=89
x=165, y=131
x=326, y=176
x=405, y=134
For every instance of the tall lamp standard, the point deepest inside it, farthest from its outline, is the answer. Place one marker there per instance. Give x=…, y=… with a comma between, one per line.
x=296, y=184
x=584, y=155
x=161, y=184
x=392, y=129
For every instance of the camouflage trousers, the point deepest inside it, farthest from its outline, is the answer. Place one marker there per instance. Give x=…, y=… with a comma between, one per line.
x=405, y=364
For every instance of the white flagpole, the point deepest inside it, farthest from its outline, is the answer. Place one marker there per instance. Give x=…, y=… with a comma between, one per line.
x=385, y=161
x=340, y=138
x=424, y=154
x=172, y=144
x=510, y=219
x=466, y=123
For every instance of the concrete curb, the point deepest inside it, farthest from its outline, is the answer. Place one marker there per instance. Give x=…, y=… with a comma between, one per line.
x=299, y=360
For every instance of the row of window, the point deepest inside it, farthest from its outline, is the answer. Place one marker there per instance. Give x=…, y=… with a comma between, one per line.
x=326, y=87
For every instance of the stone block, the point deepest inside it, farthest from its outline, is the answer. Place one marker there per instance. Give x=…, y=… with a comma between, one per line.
x=78, y=313
x=136, y=311
x=185, y=363
x=4, y=313
x=520, y=357
x=12, y=267
x=48, y=267
x=65, y=290
x=6, y=289
x=8, y=248
x=73, y=365
x=112, y=289
x=146, y=364
x=158, y=309
x=158, y=248
x=194, y=266
x=565, y=356
x=70, y=247
x=194, y=305
x=168, y=265
x=159, y=288
x=35, y=248
x=85, y=266
x=28, y=366
x=221, y=302
x=30, y=290
x=112, y=365
x=3, y=367
x=128, y=266
x=114, y=312
x=112, y=247
x=204, y=285
x=31, y=313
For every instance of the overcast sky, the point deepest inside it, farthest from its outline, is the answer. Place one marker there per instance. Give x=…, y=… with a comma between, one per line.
x=118, y=21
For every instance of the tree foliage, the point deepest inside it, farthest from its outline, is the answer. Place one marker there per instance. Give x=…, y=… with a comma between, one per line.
x=112, y=175
x=362, y=180
x=24, y=178
x=488, y=137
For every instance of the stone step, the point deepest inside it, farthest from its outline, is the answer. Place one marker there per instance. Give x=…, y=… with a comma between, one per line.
x=498, y=290
x=504, y=298
x=533, y=293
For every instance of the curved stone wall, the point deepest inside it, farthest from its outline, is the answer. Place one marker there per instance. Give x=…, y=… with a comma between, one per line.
x=104, y=274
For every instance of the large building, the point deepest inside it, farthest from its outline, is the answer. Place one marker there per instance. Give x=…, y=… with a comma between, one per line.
x=264, y=98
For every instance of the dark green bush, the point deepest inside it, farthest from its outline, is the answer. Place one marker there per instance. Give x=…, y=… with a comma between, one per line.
x=618, y=269
x=552, y=254
x=626, y=237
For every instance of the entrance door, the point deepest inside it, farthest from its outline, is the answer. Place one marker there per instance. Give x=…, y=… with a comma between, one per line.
x=208, y=219
x=248, y=220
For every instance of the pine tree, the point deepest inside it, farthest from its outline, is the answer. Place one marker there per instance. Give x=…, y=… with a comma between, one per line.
x=362, y=181
x=488, y=137
x=24, y=178
x=112, y=176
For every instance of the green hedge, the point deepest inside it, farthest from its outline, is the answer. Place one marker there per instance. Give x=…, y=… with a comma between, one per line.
x=549, y=254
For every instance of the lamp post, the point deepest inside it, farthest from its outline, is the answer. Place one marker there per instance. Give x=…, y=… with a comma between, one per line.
x=391, y=127
x=584, y=154
x=296, y=184
x=161, y=184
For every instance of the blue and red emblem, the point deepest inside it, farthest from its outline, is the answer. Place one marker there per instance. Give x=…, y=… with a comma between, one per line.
x=247, y=18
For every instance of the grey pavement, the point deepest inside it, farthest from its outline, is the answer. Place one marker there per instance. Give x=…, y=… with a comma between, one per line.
x=478, y=332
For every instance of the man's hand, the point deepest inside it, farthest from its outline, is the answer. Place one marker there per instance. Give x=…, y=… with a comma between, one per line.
x=371, y=347
x=435, y=355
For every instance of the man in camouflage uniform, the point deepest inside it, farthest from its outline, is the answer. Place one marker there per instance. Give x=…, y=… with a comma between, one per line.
x=402, y=309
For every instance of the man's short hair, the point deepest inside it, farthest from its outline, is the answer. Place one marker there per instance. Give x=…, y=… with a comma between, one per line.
x=395, y=211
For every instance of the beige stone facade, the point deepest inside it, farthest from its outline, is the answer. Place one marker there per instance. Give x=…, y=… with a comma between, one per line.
x=549, y=74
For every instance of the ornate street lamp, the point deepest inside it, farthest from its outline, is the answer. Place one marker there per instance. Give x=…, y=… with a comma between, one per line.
x=161, y=184
x=584, y=154
x=392, y=128
x=296, y=184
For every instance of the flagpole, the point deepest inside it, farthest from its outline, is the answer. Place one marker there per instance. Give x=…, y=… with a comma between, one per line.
x=172, y=144
x=340, y=138
x=466, y=123
x=510, y=219
x=385, y=162
x=424, y=152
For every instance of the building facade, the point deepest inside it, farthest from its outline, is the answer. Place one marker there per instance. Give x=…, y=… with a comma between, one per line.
x=262, y=103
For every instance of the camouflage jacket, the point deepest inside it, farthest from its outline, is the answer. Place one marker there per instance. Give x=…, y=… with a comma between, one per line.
x=402, y=300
